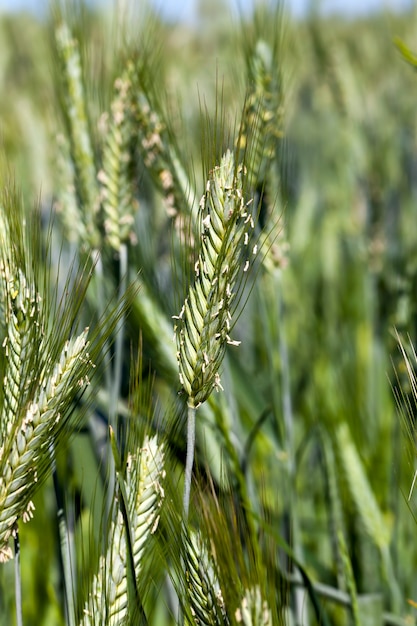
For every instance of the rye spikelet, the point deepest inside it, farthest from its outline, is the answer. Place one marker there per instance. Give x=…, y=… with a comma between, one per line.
x=118, y=201
x=24, y=452
x=4, y=238
x=263, y=113
x=203, y=326
x=21, y=305
x=253, y=611
x=109, y=593
x=75, y=112
x=204, y=591
x=161, y=158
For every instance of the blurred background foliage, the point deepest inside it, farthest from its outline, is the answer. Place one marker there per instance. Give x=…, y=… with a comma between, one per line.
x=311, y=405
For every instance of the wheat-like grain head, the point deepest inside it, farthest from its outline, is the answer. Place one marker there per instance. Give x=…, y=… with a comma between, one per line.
x=76, y=117
x=254, y=610
x=203, y=588
x=262, y=125
x=161, y=156
x=43, y=364
x=25, y=447
x=145, y=493
x=203, y=326
x=118, y=201
x=21, y=306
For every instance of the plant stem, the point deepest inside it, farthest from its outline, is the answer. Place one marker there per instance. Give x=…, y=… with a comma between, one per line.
x=119, y=334
x=101, y=304
x=342, y=598
x=66, y=537
x=115, y=383
x=189, y=459
x=288, y=417
x=242, y=481
x=17, y=579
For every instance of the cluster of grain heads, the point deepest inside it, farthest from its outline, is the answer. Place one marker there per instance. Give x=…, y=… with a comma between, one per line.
x=104, y=205
x=44, y=366
x=100, y=203
x=98, y=199
x=32, y=431
x=129, y=533
x=202, y=328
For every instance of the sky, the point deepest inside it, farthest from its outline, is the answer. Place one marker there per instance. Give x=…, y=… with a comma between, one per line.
x=297, y=7
x=185, y=9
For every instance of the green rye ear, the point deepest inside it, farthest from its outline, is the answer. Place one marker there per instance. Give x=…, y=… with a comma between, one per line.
x=119, y=203
x=202, y=328
x=74, y=108
x=26, y=450
x=254, y=610
x=262, y=124
x=44, y=365
x=204, y=592
x=135, y=518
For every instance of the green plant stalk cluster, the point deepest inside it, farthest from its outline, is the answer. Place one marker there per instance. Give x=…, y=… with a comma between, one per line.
x=352, y=250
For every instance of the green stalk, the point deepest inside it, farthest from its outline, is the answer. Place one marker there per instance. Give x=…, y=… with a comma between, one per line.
x=110, y=475
x=114, y=389
x=98, y=261
x=273, y=312
x=242, y=487
x=350, y=579
x=189, y=462
x=114, y=382
x=287, y=411
x=189, y=459
x=17, y=579
x=66, y=538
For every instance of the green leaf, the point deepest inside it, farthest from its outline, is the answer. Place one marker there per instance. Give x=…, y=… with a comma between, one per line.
x=406, y=53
